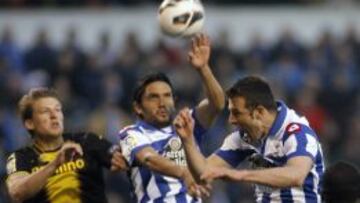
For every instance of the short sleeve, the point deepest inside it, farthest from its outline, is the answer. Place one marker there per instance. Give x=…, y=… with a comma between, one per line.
x=302, y=142
x=99, y=148
x=234, y=150
x=17, y=163
x=132, y=141
x=199, y=130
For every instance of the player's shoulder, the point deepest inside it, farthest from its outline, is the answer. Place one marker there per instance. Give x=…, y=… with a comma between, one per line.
x=23, y=156
x=298, y=129
x=22, y=152
x=80, y=137
x=130, y=130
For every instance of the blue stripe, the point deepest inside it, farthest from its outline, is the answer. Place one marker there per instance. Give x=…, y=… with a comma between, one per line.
x=279, y=120
x=163, y=186
x=319, y=170
x=145, y=177
x=266, y=198
x=308, y=188
x=301, y=141
x=135, y=151
x=304, y=130
x=159, y=145
x=199, y=130
x=286, y=196
x=181, y=197
x=234, y=157
x=124, y=132
x=262, y=150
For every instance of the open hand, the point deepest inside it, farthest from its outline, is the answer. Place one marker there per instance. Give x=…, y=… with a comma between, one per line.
x=195, y=189
x=184, y=124
x=68, y=152
x=200, y=51
x=118, y=162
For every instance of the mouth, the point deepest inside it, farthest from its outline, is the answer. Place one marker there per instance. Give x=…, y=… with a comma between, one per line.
x=55, y=125
x=162, y=112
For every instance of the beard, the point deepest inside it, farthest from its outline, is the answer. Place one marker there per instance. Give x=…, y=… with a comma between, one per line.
x=161, y=121
x=171, y=114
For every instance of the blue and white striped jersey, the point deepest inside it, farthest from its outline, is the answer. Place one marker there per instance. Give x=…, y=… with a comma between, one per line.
x=290, y=136
x=150, y=186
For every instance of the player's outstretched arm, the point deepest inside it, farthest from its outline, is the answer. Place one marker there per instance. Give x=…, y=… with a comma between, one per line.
x=199, y=56
x=197, y=163
x=151, y=159
x=22, y=186
x=292, y=174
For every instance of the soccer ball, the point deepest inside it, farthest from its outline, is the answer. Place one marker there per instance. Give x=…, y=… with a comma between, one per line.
x=181, y=17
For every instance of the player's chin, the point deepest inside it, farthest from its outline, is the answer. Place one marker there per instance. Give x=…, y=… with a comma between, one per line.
x=55, y=132
x=164, y=120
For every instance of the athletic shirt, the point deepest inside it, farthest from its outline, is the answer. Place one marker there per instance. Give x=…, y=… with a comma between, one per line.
x=148, y=185
x=77, y=181
x=290, y=136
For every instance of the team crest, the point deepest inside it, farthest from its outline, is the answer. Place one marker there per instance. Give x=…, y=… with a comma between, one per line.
x=175, y=144
x=130, y=141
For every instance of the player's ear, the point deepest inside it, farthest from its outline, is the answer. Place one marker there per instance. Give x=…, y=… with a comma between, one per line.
x=137, y=109
x=29, y=124
x=258, y=112
x=255, y=113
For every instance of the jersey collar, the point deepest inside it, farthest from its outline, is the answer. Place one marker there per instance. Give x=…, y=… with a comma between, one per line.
x=147, y=126
x=280, y=118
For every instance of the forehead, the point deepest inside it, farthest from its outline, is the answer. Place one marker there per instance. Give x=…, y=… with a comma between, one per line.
x=46, y=102
x=157, y=87
x=237, y=103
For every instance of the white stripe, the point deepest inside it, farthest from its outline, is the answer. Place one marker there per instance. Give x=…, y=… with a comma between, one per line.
x=315, y=181
x=275, y=196
x=152, y=190
x=174, y=185
x=170, y=199
x=311, y=145
x=290, y=145
x=234, y=142
x=298, y=195
x=137, y=183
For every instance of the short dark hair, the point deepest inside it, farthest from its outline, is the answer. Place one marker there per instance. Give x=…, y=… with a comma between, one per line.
x=255, y=91
x=341, y=183
x=25, y=105
x=148, y=79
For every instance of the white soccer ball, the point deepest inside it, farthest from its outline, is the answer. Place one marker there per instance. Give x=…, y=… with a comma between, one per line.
x=181, y=17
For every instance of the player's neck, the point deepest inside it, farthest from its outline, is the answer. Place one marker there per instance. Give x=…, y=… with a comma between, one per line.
x=49, y=144
x=269, y=122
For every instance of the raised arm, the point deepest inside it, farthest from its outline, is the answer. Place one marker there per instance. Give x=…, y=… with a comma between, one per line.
x=22, y=186
x=199, y=56
x=197, y=163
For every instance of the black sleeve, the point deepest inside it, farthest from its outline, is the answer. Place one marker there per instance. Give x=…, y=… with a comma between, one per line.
x=99, y=148
x=17, y=162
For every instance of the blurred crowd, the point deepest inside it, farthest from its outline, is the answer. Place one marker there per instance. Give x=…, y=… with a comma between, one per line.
x=320, y=80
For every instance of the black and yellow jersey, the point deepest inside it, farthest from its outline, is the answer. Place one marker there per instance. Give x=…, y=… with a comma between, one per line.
x=77, y=181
